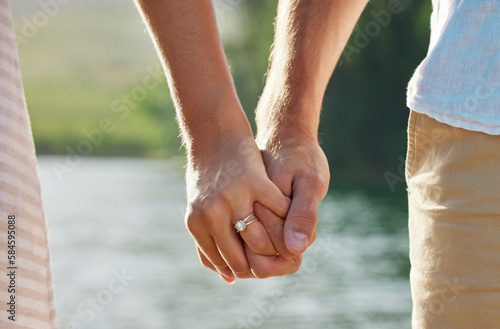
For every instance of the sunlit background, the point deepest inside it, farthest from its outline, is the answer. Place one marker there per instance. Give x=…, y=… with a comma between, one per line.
x=113, y=187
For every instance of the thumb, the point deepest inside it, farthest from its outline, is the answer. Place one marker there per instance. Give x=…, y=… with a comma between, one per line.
x=300, y=224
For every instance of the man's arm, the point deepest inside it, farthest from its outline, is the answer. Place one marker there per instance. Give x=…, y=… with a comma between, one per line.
x=310, y=36
x=225, y=173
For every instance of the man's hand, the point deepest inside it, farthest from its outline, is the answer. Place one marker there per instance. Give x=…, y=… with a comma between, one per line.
x=310, y=36
x=300, y=170
x=225, y=177
x=225, y=173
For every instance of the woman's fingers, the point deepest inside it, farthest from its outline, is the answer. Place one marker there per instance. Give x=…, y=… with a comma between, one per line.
x=212, y=229
x=224, y=272
x=256, y=237
x=214, y=209
x=234, y=255
x=230, y=247
x=210, y=253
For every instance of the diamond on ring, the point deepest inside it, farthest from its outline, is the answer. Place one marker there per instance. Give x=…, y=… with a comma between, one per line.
x=242, y=224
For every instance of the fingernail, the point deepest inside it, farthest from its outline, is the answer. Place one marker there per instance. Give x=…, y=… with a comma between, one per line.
x=227, y=280
x=298, y=241
x=226, y=272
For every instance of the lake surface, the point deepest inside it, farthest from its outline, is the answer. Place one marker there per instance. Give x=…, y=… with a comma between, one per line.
x=122, y=258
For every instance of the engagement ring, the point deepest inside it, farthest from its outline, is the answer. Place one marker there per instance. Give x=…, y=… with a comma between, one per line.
x=242, y=224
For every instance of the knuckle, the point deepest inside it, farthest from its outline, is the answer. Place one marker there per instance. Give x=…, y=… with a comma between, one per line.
x=197, y=204
x=202, y=213
x=306, y=215
x=204, y=205
x=324, y=180
x=192, y=223
x=319, y=180
x=220, y=265
x=241, y=271
x=247, y=275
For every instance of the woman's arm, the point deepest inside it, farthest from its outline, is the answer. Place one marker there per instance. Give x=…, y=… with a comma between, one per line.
x=225, y=172
x=186, y=37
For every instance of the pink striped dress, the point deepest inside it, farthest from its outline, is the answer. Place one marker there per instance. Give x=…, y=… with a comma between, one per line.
x=26, y=291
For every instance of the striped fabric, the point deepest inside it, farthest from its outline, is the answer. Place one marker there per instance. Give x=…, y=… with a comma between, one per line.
x=30, y=281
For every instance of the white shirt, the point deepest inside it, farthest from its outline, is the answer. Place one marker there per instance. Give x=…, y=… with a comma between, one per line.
x=458, y=83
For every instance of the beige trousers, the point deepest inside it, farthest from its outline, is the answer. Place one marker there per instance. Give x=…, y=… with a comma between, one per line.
x=453, y=178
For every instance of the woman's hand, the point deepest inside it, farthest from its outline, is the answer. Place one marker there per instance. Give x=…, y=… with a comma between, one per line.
x=225, y=171
x=225, y=177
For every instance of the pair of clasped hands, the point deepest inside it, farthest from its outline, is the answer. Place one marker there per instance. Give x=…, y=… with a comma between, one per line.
x=280, y=179
x=281, y=175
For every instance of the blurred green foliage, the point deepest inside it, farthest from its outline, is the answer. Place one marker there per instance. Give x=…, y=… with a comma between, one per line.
x=89, y=61
x=364, y=118
x=80, y=64
x=364, y=111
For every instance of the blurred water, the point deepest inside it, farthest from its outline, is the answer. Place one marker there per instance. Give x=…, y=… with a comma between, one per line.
x=115, y=215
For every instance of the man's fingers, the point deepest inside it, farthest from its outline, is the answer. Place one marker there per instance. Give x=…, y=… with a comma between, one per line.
x=274, y=226
x=257, y=239
x=300, y=224
x=269, y=266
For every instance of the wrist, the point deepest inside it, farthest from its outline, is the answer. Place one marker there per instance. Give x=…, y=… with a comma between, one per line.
x=285, y=121
x=289, y=107
x=215, y=130
x=272, y=139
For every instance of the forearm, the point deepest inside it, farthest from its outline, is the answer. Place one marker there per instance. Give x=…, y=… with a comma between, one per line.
x=310, y=36
x=187, y=39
